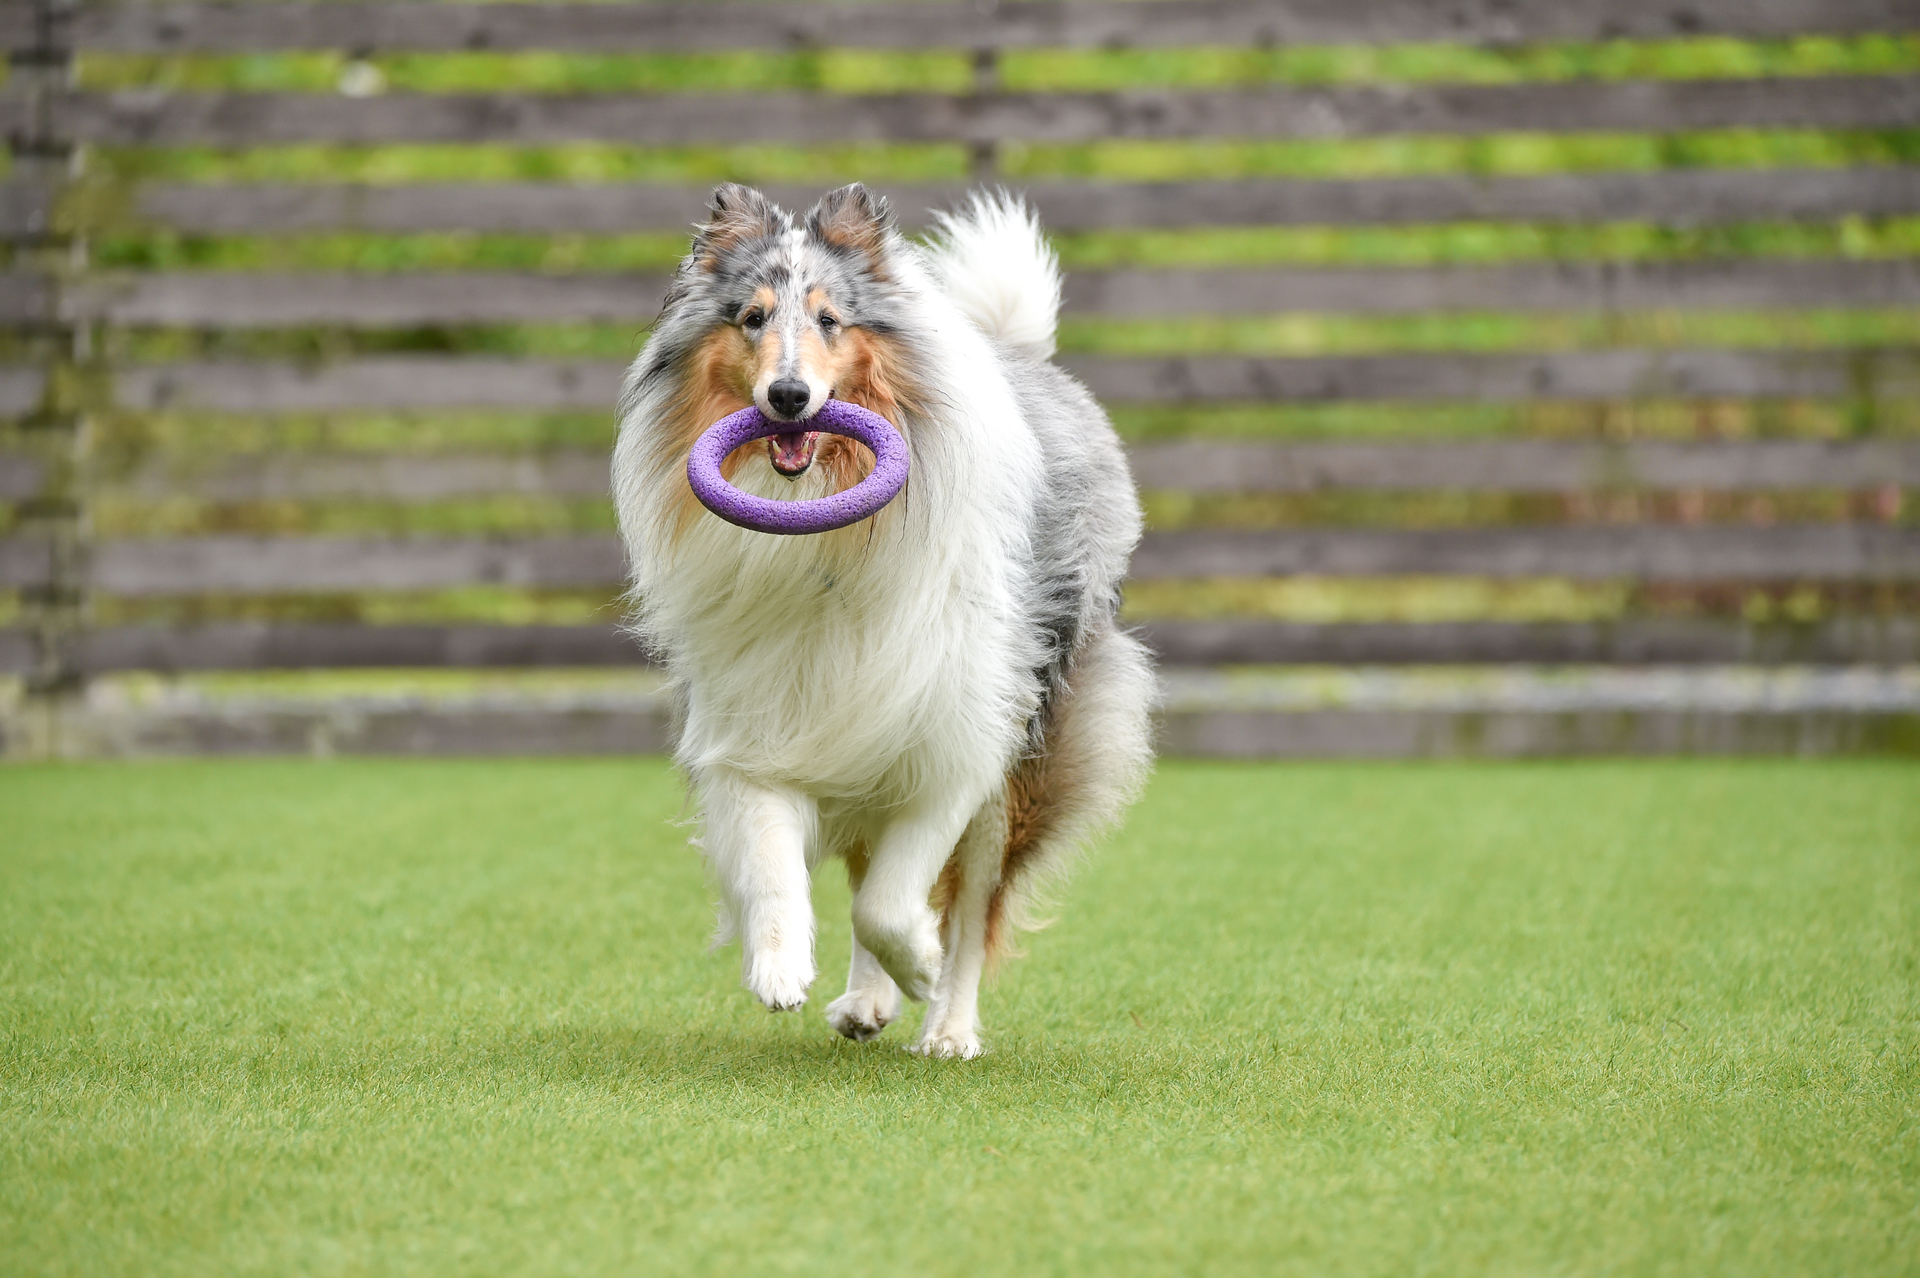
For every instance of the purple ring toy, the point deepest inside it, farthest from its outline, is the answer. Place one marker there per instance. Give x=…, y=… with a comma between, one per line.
x=790, y=518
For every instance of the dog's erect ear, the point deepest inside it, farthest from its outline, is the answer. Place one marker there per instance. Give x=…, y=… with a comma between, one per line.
x=735, y=214
x=855, y=219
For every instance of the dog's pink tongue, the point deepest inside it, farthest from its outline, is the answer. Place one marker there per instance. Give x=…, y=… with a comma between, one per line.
x=793, y=450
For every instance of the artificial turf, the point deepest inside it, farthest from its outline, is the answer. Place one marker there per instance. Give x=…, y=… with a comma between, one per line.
x=456, y=1017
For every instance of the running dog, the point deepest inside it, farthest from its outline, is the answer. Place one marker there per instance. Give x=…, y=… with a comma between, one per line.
x=940, y=695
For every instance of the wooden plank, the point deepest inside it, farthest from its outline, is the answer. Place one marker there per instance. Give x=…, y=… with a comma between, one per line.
x=19, y=650
x=1571, y=375
x=401, y=382
x=1517, y=734
x=432, y=382
x=27, y=297
x=21, y=476
x=374, y=477
x=262, y=300
x=1527, y=465
x=1678, y=198
x=148, y=118
x=500, y=726
x=26, y=209
x=1630, y=641
x=265, y=300
x=264, y=646
x=25, y=562
x=531, y=208
x=634, y=725
x=1192, y=466
x=226, y=27
x=291, y=565
x=294, y=565
x=1793, y=552
x=1726, y=284
x=435, y=382
x=21, y=389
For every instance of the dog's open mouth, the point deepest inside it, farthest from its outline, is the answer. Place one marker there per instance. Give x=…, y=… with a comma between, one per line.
x=792, y=451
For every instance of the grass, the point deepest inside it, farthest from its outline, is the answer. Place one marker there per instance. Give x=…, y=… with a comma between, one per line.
x=378, y=1017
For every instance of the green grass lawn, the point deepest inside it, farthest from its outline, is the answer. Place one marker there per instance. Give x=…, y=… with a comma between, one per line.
x=457, y=1017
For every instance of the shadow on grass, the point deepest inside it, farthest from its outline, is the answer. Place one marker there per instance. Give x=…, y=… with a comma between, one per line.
x=785, y=1059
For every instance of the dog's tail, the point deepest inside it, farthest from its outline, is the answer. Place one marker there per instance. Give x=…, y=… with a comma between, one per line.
x=993, y=260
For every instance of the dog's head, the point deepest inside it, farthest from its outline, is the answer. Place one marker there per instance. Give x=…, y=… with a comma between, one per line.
x=785, y=313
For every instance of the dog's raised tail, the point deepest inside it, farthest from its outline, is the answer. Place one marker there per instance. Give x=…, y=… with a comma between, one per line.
x=995, y=263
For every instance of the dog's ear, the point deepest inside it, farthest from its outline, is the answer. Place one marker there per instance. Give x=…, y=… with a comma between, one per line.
x=735, y=214
x=854, y=219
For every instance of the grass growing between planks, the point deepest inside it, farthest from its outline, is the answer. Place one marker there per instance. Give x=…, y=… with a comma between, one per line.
x=456, y=1016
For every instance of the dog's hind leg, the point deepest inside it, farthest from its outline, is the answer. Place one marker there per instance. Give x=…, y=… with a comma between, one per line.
x=891, y=917
x=952, y=1026
x=872, y=999
x=756, y=840
x=1095, y=755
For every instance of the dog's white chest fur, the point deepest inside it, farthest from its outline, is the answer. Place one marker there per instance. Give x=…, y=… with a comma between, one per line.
x=865, y=667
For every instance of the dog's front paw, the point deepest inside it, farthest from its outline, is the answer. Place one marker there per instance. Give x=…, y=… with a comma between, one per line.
x=943, y=1044
x=778, y=978
x=862, y=1014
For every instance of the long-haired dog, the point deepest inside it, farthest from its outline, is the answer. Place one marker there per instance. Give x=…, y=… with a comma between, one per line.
x=940, y=694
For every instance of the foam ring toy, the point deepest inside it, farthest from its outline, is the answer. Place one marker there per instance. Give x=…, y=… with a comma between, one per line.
x=791, y=518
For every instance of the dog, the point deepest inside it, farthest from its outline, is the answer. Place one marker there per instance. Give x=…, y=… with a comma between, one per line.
x=940, y=695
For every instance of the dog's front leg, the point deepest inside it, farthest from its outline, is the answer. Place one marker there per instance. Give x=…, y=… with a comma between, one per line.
x=891, y=918
x=756, y=840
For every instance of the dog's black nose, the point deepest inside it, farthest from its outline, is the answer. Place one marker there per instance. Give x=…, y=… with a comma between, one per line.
x=789, y=397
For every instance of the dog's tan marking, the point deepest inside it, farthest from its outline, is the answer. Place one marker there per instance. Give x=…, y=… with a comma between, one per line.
x=719, y=381
x=766, y=363
x=738, y=214
x=764, y=300
x=851, y=219
x=865, y=369
x=858, y=856
x=1041, y=789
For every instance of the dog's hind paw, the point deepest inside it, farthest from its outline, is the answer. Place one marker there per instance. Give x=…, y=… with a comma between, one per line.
x=862, y=1014
x=944, y=1045
x=778, y=980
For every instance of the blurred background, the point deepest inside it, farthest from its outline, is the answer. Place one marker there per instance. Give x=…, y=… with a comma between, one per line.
x=1519, y=378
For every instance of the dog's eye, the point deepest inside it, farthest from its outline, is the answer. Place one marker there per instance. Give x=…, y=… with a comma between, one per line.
x=753, y=321
x=828, y=323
